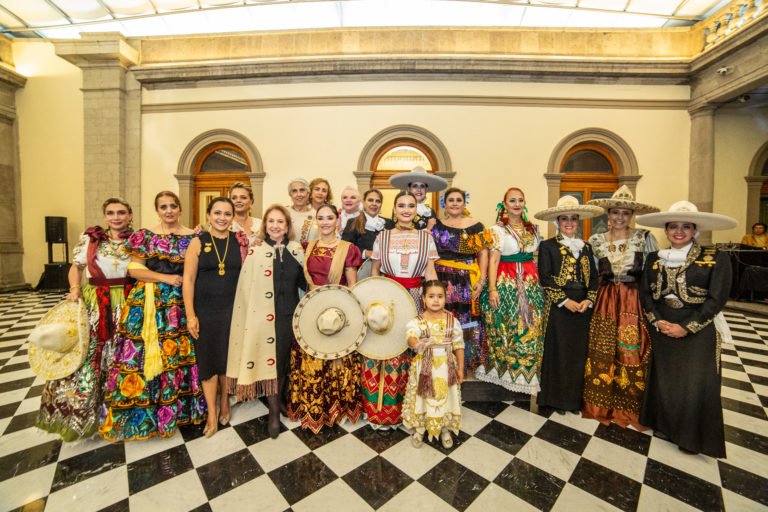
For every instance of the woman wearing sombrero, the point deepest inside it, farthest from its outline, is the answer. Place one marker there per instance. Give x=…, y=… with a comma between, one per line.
x=682, y=290
x=569, y=279
x=420, y=183
x=619, y=343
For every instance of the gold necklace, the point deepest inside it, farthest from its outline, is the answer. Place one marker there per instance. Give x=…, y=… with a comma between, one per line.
x=221, y=260
x=622, y=251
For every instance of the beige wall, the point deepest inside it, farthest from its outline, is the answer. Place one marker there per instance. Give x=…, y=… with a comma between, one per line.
x=739, y=134
x=50, y=113
x=491, y=147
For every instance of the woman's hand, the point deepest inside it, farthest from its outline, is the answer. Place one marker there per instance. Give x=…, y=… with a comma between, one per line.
x=478, y=289
x=584, y=305
x=493, y=299
x=460, y=371
x=193, y=326
x=74, y=293
x=671, y=330
x=572, y=306
x=173, y=280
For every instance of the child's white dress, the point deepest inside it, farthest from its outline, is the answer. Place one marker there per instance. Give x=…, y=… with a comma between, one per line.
x=437, y=405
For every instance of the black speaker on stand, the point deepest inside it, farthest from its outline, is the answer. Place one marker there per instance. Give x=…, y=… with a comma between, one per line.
x=55, y=275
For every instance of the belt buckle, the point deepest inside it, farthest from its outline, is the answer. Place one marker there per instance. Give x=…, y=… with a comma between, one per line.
x=674, y=303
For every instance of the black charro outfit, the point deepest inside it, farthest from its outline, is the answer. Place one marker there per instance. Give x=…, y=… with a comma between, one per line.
x=214, y=298
x=682, y=396
x=363, y=241
x=563, y=276
x=288, y=278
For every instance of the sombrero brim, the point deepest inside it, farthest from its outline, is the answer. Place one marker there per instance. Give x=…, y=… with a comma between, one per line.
x=314, y=342
x=394, y=342
x=52, y=365
x=584, y=211
x=403, y=179
x=704, y=221
x=608, y=203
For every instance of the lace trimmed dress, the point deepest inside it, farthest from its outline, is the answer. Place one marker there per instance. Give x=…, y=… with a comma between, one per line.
x=70, y=406
x=513, y=330
x=619, y=343
x=134, y=407
x=458, y=268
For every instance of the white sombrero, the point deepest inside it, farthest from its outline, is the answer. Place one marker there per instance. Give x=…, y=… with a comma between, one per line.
x=685, y=211
x=328, y=322
x=623, y=198
x=388, y=307
x=59, y=344
x=567, y=205
x=418, y=175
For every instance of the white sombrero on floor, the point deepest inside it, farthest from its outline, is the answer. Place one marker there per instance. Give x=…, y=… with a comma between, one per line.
x=59, y=344
x=388, y=307
x=328, y=322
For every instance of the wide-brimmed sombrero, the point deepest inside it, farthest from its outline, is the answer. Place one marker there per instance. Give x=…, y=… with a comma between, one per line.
x=387, y=307
x=623, y=198
x=59, y=344
x=328, y=322
x=418, y=175
x=567, y=205
x=685, y=211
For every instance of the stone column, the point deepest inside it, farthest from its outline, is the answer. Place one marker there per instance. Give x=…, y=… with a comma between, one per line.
x=104, y=59
x=701, y=167
x=11, y=247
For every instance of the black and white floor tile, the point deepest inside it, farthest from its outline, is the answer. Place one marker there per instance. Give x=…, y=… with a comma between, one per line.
x=506, y=457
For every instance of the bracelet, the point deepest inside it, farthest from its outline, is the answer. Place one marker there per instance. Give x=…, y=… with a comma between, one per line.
x=492, y=290
x=75, y=286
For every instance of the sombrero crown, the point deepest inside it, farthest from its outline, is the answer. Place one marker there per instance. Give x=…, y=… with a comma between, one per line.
x=685, y=211
x=418, y=175
x=623, y=198
x=569, y=204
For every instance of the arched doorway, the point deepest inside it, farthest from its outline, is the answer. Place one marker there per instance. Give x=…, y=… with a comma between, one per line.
x=400, y=155
x=589, y=172
x=217, y=167
x=757, y=188
x=590, y=163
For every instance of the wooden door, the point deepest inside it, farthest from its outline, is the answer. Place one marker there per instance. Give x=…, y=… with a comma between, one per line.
x=218, y=166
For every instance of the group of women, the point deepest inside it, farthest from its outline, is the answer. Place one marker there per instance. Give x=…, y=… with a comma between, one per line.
x=180, y=320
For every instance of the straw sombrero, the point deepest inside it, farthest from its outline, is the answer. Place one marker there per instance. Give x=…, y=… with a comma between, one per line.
x=328, y=322
x=418, y=175
x=388, y=307
x=59, y=344
x=623, y=198
x=685, y=211
x=569, y=204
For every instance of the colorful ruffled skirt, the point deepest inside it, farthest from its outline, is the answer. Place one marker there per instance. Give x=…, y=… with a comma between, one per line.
x=135, y=408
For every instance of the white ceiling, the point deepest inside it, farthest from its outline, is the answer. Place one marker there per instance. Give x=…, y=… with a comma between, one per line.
x=136, y=18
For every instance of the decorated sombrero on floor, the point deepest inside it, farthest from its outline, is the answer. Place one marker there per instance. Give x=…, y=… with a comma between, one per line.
x=387, y=307
x=328, y=322
x=59, y=344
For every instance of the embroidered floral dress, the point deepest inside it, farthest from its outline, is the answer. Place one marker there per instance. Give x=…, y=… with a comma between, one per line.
x=514, y=330
x=70, y=406
x=458, y=268
x=433, y=400
x=134, y=407
x=619, y=343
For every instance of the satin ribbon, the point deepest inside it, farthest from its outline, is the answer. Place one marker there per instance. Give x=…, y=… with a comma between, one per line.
x=474, y=277
x=153, y=357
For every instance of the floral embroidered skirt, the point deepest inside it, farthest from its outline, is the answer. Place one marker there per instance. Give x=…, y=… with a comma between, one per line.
x=70, y=406
x=514, y=344
x=458, y=301
x=617, y=358
x=443, y=411
x=323, y=392
x=383, y=386
x=135, y=408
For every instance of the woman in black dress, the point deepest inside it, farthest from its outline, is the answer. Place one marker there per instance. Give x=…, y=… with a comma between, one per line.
x=210, y=278
x=362, y=230
x=683, y=290
x=569, y=279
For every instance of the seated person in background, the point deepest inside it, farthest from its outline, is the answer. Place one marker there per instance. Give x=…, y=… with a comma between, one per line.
x=758, y=237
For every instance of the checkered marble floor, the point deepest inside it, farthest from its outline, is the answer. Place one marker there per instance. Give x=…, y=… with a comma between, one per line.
x=506, y=458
